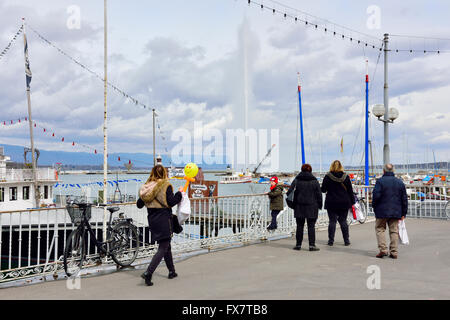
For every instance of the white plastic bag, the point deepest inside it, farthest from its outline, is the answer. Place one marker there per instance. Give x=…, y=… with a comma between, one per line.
x=402, y=232
x=183, y=209
x=358, y=211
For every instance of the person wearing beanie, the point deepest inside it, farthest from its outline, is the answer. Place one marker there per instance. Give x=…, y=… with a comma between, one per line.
x=276, y=201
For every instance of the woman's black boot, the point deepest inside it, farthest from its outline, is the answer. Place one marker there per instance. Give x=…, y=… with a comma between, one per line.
x=172, y=274
x=148, y=278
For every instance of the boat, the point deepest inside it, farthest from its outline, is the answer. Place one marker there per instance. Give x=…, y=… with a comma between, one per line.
x=236, y=178
x=16, y=186
x=175, y=172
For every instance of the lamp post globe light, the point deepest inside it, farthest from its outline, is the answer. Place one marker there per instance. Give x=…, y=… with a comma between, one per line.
x=379, y=110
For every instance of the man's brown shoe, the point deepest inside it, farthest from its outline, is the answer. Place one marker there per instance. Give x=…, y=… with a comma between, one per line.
x=381, y=254
x=393, y=256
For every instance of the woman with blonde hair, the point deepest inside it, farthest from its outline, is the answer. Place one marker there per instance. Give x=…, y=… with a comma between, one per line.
x=157, y=195
x=339, y=199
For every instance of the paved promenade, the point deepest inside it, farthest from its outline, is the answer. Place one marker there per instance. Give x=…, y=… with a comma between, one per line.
x=272, y=270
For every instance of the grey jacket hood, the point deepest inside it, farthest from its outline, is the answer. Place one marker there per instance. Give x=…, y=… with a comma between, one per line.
x=337, y=179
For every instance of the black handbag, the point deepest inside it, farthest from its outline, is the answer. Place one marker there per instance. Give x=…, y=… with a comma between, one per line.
x=177, y=228
x=290, y=197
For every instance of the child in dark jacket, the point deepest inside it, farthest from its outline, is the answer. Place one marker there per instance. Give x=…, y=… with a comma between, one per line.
x=276, y=201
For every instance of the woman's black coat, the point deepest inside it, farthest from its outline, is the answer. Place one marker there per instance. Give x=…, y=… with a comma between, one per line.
x=160, y=219
x=338, y=187
x=307, y=196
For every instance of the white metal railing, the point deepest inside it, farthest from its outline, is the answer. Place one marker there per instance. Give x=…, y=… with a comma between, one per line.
x=20, y=175
x=423, y=201
x=32, y=241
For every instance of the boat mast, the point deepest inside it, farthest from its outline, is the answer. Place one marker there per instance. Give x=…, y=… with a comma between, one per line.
x=320, y=142
x=301, y=117
x=366, y=163
x=30, y=119
x=154, y=148
x=105, y=118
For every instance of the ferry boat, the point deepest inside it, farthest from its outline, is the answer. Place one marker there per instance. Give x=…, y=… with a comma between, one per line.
x=236, y=178
x=16, y=186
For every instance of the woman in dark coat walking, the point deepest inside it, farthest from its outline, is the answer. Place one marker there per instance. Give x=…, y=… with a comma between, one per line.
x=340, y=198
x=157, y=195
x=308, y=201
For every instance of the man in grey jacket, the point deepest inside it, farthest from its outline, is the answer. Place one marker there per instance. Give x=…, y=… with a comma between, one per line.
x=390, y=204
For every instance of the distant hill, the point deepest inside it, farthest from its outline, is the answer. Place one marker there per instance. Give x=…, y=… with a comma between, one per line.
x=86, y=161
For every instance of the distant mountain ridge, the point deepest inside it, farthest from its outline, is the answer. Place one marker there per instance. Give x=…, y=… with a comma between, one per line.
x=85, y=160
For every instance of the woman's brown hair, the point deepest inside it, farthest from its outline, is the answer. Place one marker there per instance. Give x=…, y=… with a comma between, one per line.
x=306, y=168
x=158, y=172
x=336, y=166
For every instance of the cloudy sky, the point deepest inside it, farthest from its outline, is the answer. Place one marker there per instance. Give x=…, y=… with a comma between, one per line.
x=197, y=61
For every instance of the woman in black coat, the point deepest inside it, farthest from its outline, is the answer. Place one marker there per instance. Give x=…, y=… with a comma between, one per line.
x=308, y=201
x=157, y=195
x=339, y=200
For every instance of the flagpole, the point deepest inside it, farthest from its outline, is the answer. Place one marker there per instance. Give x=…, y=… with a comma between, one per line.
x=301, y=118
x=154, y=147
x=366, y=164
x=105, y=132
x=30, y=119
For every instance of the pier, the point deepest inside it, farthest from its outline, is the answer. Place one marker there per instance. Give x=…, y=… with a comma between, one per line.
x=270, y=269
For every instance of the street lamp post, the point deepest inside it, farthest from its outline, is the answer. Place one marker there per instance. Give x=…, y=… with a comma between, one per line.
x=379, y=110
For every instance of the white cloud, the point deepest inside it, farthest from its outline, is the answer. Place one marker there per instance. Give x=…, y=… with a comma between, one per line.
x=188, y=78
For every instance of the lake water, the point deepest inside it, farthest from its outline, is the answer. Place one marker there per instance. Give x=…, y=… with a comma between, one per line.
x=87, y=185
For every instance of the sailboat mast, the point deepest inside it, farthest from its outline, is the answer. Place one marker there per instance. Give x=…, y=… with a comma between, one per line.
x=30, y=119
x=105, y=119
x=320, y=142
x=301, y=117
x=366, y=163
x=154, y=147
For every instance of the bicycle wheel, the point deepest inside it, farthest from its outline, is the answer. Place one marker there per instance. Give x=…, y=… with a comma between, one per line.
x=447, y=209
x=125, y=244
x=363, y=207
x=74, y=253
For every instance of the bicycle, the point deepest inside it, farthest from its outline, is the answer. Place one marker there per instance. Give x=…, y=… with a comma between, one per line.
x=122, y=239
x=362, y=205
x=447, y=209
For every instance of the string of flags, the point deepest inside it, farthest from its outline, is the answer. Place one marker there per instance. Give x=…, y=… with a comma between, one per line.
x=3, y=53
x=163, y=137
x=310, y=20
x=62, y=139
x=98, y=183
x=332, y=28
x=123, y=93
x=13, y=122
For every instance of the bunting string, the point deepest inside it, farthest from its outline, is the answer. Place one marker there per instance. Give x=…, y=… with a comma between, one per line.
x=337, y=30
x=5, y=123
x=317, y=23
x=122, y=92
x=98, y=183
x=91, y=149
x=5, y=51
x=45, y=130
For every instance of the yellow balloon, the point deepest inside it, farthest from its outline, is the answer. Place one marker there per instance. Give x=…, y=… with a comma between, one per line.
x=191, y=170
